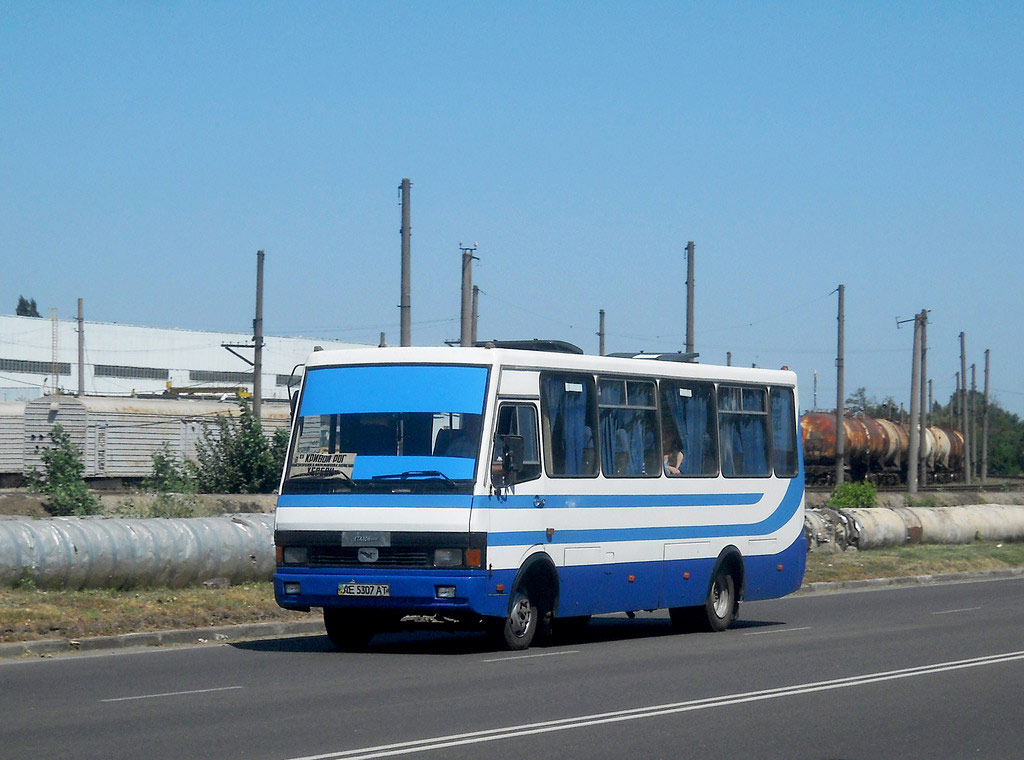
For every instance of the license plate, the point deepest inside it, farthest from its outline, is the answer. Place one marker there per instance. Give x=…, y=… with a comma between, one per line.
x=364, y=589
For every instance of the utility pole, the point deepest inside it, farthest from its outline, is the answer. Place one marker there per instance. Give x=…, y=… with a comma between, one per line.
x=728, y=358
x=476, y=313
x=600, y=333
x=689, y=297
x=466, y=337
x=257, y=339
x=915, y=417
x=973, y=405
x=923, y=449
x=405, y=309
x=81, y=350
x=984, y=426
x=840, y=430
x=963, y=410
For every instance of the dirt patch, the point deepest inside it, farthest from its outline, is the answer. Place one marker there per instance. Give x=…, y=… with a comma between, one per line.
x=20, y=503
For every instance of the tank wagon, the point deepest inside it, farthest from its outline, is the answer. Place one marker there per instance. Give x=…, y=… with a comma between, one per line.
x=117, y=436
x=875, y=449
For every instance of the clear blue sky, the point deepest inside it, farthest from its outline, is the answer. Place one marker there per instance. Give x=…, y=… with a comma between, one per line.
x=149, y=149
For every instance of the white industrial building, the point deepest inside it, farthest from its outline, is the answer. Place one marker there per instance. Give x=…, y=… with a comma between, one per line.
x=40, y=356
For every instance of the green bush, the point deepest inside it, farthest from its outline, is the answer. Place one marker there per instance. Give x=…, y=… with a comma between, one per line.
x=853, y=495
x=61, y=479
x=171, y=475
x=234, y=456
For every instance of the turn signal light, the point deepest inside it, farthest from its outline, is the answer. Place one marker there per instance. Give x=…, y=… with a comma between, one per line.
x=473, y=558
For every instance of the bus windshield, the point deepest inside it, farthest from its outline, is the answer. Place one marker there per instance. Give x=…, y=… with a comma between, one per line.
x=388, y=428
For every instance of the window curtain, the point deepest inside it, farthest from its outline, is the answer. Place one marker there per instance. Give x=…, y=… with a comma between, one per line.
x=571, y=410
x=753, y=435
x=611, y=443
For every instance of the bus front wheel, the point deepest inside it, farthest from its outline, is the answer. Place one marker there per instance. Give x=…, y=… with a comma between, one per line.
x=348, y=630
x=517, y=630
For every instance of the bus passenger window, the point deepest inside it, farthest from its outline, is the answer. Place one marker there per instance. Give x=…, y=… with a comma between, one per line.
x=743, y=426
x=518, y=420
x=569, y=416
x=688, y=430
x=783, y=433
x=628, y=413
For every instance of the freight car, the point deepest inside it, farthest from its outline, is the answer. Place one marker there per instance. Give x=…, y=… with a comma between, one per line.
x=117, y=436
x=875, y=449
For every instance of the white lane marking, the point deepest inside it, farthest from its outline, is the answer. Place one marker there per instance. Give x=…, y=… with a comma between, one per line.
x=963, y=609
x=637, y=713
x=513, y=658
x=777, y=630
x=171, y=694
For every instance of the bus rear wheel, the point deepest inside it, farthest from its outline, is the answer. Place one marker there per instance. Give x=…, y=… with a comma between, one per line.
x=517, y=630
x=718, y=611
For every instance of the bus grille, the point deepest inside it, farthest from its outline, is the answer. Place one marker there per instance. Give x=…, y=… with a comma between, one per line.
x=389, y=556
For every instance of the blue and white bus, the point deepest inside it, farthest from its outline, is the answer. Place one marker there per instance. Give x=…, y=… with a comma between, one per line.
x=526, y=490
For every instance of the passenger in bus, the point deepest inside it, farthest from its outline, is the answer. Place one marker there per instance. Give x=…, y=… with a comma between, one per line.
x=589, y=453
x=673, y=455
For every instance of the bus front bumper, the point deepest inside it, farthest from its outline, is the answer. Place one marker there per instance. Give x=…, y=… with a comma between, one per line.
x=406, y=592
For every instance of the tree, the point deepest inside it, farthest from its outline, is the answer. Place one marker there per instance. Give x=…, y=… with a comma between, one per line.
x=235, y=457
x=62, y=479
x=26, y=308
x=858, y=402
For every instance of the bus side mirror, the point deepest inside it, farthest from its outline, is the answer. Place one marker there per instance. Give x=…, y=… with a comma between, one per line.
x=508, y=462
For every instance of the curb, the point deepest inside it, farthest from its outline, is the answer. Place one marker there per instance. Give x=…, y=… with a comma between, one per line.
x=224, y=633
x=214, y=634
x=911, y=580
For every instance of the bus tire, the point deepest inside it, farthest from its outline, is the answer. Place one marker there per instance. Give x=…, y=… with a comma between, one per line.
x=718, y=611
x=721, y=605
x=348, y=630
x=517, y=630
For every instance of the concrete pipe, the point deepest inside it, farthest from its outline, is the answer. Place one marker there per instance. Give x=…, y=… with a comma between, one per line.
x=69, y=552
x=875, y=527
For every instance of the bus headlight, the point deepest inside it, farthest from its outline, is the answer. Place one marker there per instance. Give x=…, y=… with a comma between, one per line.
x=294, y=555
x=447, y=557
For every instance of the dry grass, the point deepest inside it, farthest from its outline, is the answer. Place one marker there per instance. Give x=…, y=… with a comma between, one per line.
x=28, y=613
x=913, y=559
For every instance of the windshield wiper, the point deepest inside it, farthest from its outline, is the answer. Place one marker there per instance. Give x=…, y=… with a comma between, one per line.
x=325, y=474
x=419, y=475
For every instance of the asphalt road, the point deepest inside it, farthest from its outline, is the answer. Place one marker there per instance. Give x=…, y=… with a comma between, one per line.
x=929, y=671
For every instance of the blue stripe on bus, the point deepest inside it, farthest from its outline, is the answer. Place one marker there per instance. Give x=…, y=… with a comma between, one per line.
x=782, y=514
x=433, y=501
x=627, y=500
